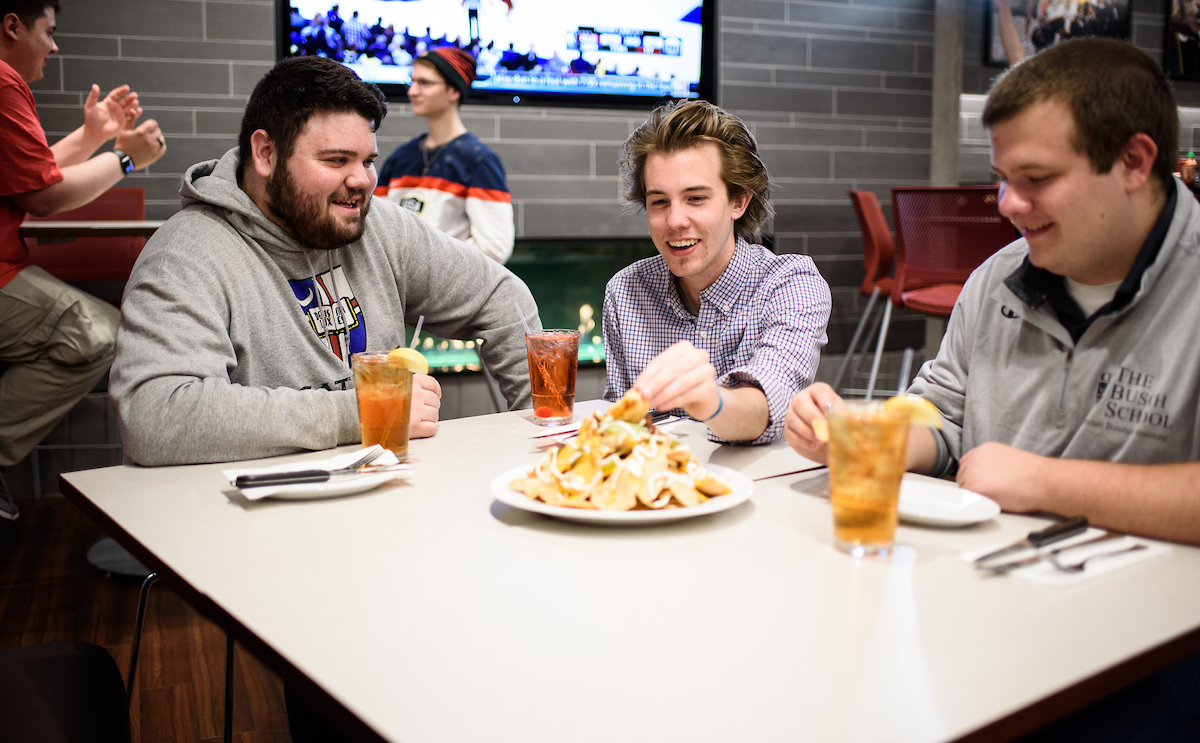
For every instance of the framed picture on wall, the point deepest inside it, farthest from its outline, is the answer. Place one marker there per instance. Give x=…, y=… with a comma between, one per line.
x=1181, y=52
x=1041, y=23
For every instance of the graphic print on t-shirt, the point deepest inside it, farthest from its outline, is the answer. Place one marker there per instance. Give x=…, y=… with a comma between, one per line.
x=336, y=320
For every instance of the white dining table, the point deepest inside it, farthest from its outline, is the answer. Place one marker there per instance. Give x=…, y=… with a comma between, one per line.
x=425, y=611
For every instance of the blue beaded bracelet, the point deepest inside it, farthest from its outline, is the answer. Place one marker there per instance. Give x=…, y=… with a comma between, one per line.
x=720, y=406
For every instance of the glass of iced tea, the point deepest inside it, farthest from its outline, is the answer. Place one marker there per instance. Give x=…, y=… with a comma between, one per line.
x=553, y=362
x=866, y=463
x=384, y=392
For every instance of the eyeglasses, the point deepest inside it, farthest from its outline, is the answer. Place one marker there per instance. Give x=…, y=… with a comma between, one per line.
x=420, y=82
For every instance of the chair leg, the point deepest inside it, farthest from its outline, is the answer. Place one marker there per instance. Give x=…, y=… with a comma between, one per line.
x=493, y=389
x=151, y=579
x=228, y=736
x=905, y=370
x=883, y=331
x=35, y=461
x=862, y=321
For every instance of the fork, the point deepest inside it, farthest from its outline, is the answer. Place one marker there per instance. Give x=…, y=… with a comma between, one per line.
x=303, y=476
x=1078, y=567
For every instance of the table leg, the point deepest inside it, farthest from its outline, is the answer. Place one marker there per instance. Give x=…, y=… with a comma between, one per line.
x=228, y=709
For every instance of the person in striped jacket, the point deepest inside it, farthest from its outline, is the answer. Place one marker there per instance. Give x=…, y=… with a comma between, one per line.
x=447, y=176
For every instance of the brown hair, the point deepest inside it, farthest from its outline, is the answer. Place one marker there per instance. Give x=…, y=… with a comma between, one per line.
x=28, y=10
x=293, y=90
x=1114, y=90
x=681, y=125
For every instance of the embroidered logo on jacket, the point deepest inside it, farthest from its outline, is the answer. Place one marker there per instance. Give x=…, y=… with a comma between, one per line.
x=1133, y=398
x=413, y=204
x=338, y=320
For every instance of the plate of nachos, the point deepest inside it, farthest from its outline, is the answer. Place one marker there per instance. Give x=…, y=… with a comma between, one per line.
x=621, y=469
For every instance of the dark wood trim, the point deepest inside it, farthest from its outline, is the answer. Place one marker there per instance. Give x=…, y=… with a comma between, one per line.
x=83, y=228
x=333, y=710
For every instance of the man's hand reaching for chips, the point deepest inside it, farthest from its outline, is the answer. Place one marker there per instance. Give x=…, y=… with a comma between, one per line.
x=681, y=377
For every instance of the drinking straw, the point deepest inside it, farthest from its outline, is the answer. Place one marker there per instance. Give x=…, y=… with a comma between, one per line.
x=417, y=332
x=521, y=315
x=395, y=412
x=540, y=363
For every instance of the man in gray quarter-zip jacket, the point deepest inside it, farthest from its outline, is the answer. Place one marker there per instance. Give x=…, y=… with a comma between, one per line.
x=242, y=312
x=1069, y=378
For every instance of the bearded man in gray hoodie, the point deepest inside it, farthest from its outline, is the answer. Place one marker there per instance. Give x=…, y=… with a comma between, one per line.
x=241, y=314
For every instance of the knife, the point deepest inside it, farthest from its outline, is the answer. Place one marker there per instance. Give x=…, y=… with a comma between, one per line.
x=304, y=476
x=1053, y=533
x=1004, y=567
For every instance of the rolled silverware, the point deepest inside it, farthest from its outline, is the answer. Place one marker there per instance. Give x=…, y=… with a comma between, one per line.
x=1004, y=567
x=1054, y=533
x=305, y=476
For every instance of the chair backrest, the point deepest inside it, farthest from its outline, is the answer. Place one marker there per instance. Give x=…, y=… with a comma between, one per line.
x=93, y=258
x=878, y=247
x=944, y=233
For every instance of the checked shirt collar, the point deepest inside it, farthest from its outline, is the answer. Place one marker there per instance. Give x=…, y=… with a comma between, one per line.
x=724, y=292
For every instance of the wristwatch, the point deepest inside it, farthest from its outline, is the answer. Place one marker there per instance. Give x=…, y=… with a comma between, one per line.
x=126, y=161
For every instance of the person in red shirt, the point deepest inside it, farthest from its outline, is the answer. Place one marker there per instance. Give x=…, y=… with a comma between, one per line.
x=56, y=340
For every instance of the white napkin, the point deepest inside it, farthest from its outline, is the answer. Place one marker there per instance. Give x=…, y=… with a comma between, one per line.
x=1046, y=574
x=332, y=463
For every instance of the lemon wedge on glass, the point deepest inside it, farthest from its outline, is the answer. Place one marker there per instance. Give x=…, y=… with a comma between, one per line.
x=918, y=410
x=409, y=358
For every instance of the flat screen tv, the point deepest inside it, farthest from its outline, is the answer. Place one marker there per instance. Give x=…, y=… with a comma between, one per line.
x=624, y=53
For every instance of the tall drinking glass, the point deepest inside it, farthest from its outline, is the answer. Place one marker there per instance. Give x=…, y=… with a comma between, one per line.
x=553, y=362
x=384, y=392
x=866, y=463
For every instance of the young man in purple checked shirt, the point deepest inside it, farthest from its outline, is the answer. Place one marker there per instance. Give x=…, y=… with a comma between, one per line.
x=714, y=326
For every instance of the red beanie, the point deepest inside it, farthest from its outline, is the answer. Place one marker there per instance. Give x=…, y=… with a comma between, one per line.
x=457, y=66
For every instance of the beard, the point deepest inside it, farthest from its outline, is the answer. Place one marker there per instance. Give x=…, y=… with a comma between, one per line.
x=307, y=217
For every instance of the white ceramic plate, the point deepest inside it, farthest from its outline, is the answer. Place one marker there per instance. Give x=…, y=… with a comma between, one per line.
x=742, y=487
x=930, y=502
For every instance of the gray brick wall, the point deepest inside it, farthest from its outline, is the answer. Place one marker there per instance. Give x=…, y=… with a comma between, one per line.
x=838, y=94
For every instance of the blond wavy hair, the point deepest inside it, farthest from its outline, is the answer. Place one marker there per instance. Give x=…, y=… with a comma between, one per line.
x=681, y=125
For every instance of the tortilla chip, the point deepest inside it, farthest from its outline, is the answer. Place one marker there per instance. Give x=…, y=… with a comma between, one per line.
x=617, y=493
x=710, y=485
x=685, y=495
x=653, y=480
x=632, y=407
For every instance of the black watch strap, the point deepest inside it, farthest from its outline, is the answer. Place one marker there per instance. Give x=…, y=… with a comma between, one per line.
x=126, y=161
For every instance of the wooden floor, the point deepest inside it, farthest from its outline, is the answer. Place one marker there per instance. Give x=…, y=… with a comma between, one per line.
x=49, y=592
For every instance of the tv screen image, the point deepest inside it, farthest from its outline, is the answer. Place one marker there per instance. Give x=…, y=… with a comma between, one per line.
x=1043, y=23
x=543, y=51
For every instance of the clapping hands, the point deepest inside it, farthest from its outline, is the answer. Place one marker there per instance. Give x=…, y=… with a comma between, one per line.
x=102, y=119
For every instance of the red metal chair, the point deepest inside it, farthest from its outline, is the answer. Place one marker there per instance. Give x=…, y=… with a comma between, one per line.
x=943, y=233
x=878, y=250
